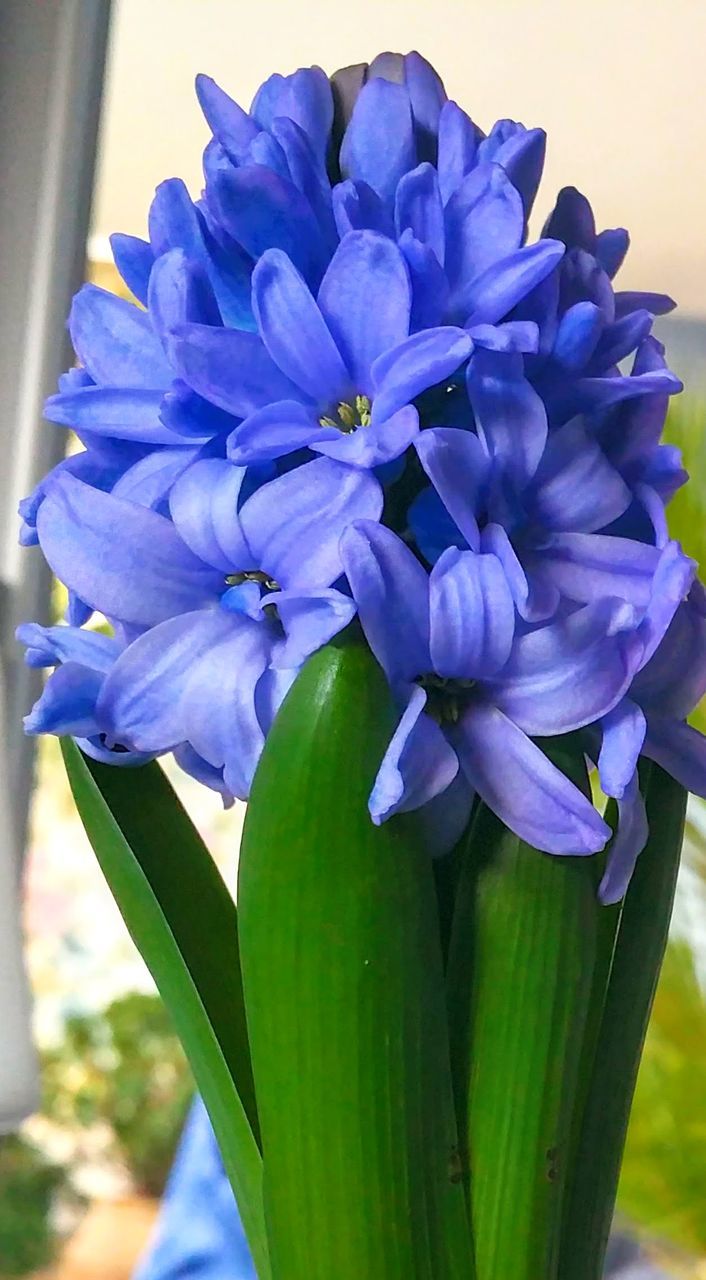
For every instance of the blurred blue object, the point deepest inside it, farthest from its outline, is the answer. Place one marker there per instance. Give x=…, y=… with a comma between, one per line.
x=198, y=1235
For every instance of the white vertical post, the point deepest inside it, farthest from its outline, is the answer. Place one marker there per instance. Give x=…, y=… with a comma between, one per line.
x=52, y=56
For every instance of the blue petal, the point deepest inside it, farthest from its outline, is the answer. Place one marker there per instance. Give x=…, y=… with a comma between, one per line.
x=484, y=223
x=575, y=487
x=579, y=330
x=229, y=367
x=418, y=208
x=514, y=336
x=427, y=96
x=533, y=602
x=620, y=339
x=219, y=704
x=375, y=445
x=679, y=750
x=517, y=781
x=472, y=615
x=204, y=507
x=68, y=703
x=378, y=146
x=623, y=733
x=275, y=431
x=522, y=158
x=626, y=846
x=174, y=222
x=295, y=332
x=391, y=591
x=49, y=646
x=418, y=765
x=674, y=681
x=417, y=364
x=434, y=530
x=510, y=416
x=310, y=619
x=458, y=468
x=586, y=567
x=134, y=258
x=142, y=701
x=356, y=207
x=293, y=524
x=658, y=304
x=304, y=97
x=261, y=211
x=123, y=560
x=123, y=413
x=571, y=672
x=430, y=288
x=115, y=342
x=572, y=221
x=670, y=586
x=611, y=248
x=365, y=299
x=458, y=144
x=499, y=289
x=179, y=293
x=232, y=126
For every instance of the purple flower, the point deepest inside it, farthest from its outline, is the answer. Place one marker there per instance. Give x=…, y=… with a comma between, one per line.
x=475, y=688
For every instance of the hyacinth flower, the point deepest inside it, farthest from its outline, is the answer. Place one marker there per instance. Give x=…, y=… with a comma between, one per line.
x=369, y=527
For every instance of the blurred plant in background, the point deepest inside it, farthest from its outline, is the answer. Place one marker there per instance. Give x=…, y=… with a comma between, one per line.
x=30, y=1186
x=663, y=1185
x=123, y=1072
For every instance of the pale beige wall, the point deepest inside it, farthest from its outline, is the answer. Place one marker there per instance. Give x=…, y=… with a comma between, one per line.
x=618, y=84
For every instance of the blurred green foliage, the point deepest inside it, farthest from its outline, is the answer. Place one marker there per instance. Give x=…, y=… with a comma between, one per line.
x=125, y=1071
x=29, y=1184
x=663, y=1184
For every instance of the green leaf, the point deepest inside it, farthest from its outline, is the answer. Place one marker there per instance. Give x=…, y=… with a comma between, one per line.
x=519, y=981
x=637, y=958
x=182, y=918
x=345, y=1001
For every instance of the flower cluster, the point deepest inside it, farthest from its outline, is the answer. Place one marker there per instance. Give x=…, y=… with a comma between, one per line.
x=352, y=386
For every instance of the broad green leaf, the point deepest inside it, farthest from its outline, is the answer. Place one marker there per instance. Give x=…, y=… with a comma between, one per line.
x=344, y=993
x=182, y=918
x=637, y=958
x=519, y=980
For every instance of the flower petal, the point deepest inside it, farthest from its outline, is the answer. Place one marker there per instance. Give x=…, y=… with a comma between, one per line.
x=378, y=146
x=262, y=210
x=458, y=468
x=230, y=367
x=575, y=488
x=374, y=445
x=133, y=258
x=499, y=289
x=626, y=846
x=276, y=430
x=295, y=332
x=510, y=416
x=623, y=732
x=589, y=566
x=120, y=412
x=293, y=523
x=517, y=781
x=142, y=700
x=570, y=672
x=391, y=591
x=115, y=342
x=484, y=223
x=419, y=763
x=125, y=561
x=418, y=208
x=680, y=750
x=472, y=615
x=204, y=507
x=365, y=299
x=310, y=619
x=417, y=364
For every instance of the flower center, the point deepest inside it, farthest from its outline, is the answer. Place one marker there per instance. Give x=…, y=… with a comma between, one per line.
x=252, y=575
x=447, y=698
x=349, y=416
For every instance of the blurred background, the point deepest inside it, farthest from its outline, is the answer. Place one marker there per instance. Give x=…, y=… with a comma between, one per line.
x=616, y=84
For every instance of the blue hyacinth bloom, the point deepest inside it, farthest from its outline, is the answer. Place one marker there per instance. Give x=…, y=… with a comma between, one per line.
x=352, y=383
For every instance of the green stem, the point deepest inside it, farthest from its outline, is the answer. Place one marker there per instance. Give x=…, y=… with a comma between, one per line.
x=637, y=959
